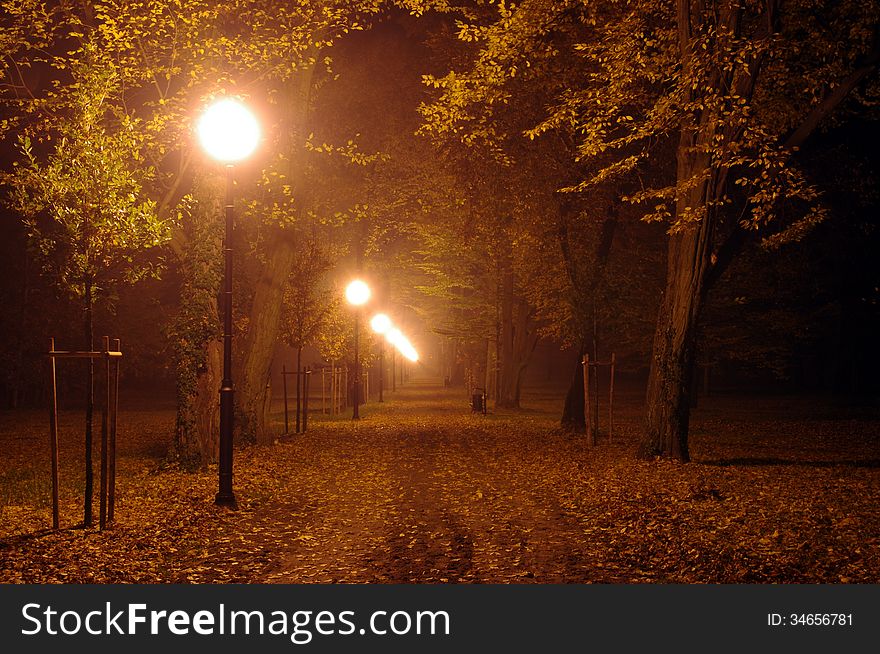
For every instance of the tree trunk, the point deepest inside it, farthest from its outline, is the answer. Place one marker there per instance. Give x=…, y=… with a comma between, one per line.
x=90, y=405
x=505, y=350
x=585, y=275
x=487, y=383
x=524, y=343
x=573, y=411
x=198, y=412
x=689, y=255
x=198, y=350
x=265, y=313
x=669, y=380
x=259, y=343
x=518, y=341
x=299, y=386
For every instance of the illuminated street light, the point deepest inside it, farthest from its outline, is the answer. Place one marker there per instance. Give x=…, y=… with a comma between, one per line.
x=406, y=349
x=357, y=293
x=393, y=336
x=399, y=341
x=228, y=132
x=381, y=324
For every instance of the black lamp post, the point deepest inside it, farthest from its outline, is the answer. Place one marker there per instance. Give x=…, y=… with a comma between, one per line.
x=355, y=413
x=381, y=368
x=229, y=132
x=406, y=349
x=381, y=324
x=225, y=496
x=357, y=293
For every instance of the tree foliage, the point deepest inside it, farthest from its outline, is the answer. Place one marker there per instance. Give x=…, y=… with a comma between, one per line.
x=167, y=57
x=634, y=86
x=84, y=203
x=310, y=300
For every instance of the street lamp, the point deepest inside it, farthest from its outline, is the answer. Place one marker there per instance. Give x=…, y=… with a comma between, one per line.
x=407, y=350
x=381, y=324
x=357, y=293
x=228, y=132
x=401, y=344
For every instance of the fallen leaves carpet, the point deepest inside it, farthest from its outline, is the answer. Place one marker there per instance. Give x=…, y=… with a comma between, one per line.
x=421, y=490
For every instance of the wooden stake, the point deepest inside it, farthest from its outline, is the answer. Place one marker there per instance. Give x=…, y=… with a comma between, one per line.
x=114, y=413
x=305, y=417
x=53, y=434
x=588, y=418
x=105, y=436
x=299, y=384
x=284, y=387
x=611, y=400
x=332, y=388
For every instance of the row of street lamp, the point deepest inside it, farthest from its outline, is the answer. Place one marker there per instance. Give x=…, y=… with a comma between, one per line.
x=229, y=132
x=358, y=294
x=381, y=324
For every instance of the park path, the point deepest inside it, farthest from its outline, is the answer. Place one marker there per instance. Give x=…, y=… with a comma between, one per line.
x=420, y=490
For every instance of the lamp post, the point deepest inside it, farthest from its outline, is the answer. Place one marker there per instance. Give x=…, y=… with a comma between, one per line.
x=381, y=324
x=357, y=293
x=401, y=344
x=228, y=132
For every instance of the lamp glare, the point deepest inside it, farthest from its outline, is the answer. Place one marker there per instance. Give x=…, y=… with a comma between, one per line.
x=380, y=323
x=228, y=131
x=357, y=293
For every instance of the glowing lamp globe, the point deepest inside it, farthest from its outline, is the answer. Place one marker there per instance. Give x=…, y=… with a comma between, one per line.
x=228, y=131
x=380, y=323
x=357, y=293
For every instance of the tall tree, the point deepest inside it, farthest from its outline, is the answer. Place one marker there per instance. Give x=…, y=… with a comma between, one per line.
x=160, y=56
x=309, y=302
x=719, y=83
x=194, y=331
x=726, y=137
x=84, y=203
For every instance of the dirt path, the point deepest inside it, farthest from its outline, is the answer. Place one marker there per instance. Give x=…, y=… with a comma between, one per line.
x=421, y=490
x=438, y=501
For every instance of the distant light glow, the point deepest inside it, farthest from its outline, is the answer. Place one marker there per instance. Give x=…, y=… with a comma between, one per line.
x=401, y=342
x=380, y=323
x=357, y=293
x=393, y=336
x=228, y=131
x=407, y=350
